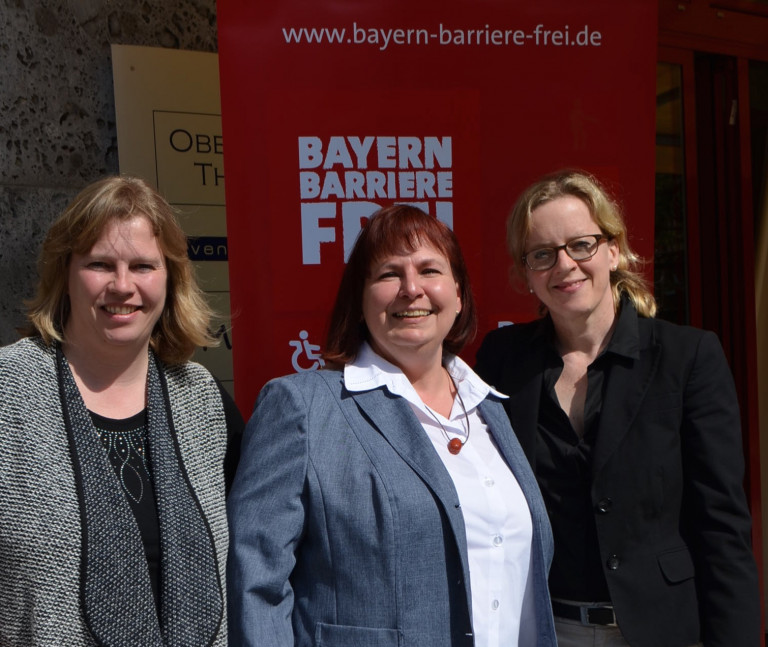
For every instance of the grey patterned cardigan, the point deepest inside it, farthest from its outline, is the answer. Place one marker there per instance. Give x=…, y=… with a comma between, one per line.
x=42, y=543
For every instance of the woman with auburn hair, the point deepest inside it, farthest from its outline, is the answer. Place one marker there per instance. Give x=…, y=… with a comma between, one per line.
x=632, y=427
x=113, y=447
x=384, y=501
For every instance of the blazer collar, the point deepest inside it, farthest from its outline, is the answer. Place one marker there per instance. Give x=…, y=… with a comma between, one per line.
x=636, y=361
x=626, y=386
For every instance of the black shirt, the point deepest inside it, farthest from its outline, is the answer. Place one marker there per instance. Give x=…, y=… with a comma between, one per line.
x=564, y=469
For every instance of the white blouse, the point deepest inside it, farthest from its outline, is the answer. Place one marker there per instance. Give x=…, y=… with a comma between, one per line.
x=496, y=515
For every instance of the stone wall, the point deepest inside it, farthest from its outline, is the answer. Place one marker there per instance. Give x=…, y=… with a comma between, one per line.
x=57, y=113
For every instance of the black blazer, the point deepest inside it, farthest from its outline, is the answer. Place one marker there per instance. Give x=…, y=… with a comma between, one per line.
x=672, y=519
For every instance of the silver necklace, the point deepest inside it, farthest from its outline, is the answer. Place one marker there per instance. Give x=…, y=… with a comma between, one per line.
x=454, y=444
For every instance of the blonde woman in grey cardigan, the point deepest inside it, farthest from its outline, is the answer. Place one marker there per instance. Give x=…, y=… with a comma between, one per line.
x=113, y=444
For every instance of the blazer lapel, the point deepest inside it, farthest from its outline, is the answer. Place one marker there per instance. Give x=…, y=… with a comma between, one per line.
x=393, y=418
x=625, y=391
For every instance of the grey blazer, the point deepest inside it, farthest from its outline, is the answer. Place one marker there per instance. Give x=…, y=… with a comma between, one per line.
x=346, y=529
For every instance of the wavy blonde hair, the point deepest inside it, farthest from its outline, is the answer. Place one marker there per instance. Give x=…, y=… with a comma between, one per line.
x=626, y=279
x=184, y=323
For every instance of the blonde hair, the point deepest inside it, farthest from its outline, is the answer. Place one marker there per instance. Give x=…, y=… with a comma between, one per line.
x=184, y=322
x=627, y=278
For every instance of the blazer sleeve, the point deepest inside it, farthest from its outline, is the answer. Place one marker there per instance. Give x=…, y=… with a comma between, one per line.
x=715, y=503
x=266, y=512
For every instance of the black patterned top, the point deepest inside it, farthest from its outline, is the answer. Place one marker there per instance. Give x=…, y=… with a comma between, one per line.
x=125, y=441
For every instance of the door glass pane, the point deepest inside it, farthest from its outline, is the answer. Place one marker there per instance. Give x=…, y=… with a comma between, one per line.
x=670, y=255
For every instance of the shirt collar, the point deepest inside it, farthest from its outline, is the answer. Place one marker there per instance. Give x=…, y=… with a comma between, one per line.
x=625, y=340
x=370, y=371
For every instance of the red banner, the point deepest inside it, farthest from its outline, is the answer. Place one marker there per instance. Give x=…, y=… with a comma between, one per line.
x=332, y=109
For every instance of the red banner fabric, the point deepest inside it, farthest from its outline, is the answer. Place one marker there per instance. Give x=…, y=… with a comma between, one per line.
x=333, y=109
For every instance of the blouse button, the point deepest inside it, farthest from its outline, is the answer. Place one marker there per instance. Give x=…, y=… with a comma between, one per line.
x=498, y=540
x=495, y=605
x=613, y=562
x=489, y=482
x=604, y=505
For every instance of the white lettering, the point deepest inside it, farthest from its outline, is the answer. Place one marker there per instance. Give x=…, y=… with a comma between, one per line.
x=334, y=172
x=425, y=184
x=361, y=150
x=332, y=186
x=438, y=151
x=376, y=183
x=444, y=213
x=353, y=214
x=355, y=183
x=337, y=153
x=409, y=149
x=310, y=152
x=386, y=34
x=309, y=185
x=406, y=185
x=445, y=184
x=312, y=234
x=387, y=149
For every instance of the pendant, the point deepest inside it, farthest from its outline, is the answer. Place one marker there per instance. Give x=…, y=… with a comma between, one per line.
x=454, y=446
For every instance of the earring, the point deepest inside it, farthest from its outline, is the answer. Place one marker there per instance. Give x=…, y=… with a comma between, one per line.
x=530, y=290
x=614, y=268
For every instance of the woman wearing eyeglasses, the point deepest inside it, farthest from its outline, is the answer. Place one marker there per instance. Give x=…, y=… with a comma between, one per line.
x=632, y=427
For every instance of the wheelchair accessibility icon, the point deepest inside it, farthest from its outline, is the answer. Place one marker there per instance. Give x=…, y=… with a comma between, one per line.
x=311, y=359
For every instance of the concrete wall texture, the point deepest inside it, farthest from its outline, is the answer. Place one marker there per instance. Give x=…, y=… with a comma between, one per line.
x=57, y=112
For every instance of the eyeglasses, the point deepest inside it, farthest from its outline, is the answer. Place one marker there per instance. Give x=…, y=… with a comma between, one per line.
x=579, y=249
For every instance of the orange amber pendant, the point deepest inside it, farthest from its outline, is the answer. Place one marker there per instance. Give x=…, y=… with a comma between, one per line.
x=454, y=445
